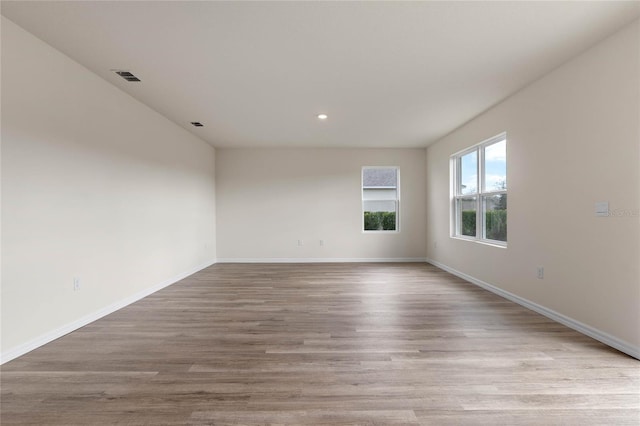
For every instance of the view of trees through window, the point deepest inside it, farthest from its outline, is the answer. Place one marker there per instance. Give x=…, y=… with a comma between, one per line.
x=380, y=198
x=480, y=199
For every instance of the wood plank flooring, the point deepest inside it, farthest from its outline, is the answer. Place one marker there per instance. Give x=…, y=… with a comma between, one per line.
x=322, y=344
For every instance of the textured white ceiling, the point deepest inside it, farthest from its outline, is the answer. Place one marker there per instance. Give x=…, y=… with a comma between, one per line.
x=388, y=74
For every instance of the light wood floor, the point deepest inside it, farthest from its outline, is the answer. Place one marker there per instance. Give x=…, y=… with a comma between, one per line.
x=345, y=344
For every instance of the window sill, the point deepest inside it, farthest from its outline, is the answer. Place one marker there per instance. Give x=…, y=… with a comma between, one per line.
x=380, y=232
x=489, y=243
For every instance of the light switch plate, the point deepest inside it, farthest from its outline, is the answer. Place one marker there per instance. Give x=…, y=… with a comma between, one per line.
x=602, y=208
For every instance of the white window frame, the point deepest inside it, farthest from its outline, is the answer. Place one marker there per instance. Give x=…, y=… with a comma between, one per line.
x=397, y=200
x=481, y=193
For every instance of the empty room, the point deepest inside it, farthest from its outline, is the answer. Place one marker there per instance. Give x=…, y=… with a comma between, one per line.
x=308, y=213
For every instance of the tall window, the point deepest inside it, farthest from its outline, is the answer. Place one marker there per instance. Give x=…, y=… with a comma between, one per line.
x=380, y=198
x=479, y=181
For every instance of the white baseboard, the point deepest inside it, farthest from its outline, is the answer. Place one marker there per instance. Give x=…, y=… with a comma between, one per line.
x=22, y=349
x=322, y=260
x=599, y=335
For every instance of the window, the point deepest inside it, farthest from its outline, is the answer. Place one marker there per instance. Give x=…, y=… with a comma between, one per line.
x=380, y=198
x=479, y=183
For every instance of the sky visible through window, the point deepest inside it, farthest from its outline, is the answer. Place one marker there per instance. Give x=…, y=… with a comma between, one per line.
x=495, y=158
x=495, y=166
x=469, y=173
x=382, y=177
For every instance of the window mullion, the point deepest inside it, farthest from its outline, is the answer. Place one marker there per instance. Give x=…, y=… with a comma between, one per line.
x=502, y=191
x=458, y=176
x=480, y=185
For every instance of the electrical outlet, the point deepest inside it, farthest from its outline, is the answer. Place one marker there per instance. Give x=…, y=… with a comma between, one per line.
x=321, y=242
x=540, y=272
x=300, y=242
x=76, y=284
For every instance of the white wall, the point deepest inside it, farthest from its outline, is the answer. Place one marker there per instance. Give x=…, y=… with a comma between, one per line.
x=94, y=185
x=268, y=199
x=573, y=140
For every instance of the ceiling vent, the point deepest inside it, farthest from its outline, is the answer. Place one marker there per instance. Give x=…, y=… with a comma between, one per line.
x=127, y=76
x=197, y=124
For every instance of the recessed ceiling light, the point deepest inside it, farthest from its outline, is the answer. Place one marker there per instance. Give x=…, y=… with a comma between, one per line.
x=323, y=116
